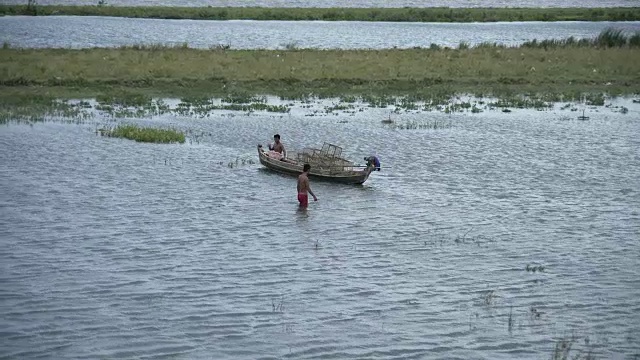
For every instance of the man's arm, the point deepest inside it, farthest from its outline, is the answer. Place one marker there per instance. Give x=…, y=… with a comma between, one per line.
x=311, y=192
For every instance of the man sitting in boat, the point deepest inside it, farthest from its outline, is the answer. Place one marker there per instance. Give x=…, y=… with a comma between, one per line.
x=277, y=147
x=373, y=160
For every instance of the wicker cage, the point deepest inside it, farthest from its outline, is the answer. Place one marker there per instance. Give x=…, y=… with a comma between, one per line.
x=326, y=159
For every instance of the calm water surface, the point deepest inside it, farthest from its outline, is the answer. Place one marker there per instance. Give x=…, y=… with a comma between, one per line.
x=356, y=3
x=85, y=31
x=111, y=248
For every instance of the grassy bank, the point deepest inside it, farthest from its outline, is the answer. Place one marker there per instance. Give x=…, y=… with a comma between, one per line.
x=337, y=14
x=558, y=67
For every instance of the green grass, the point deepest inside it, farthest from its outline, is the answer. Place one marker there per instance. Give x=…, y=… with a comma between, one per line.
x=337, y=14
x=145, y=134
x=608, y=38
x=137, y=74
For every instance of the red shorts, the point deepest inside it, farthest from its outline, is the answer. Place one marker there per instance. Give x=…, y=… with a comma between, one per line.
x=303, y=199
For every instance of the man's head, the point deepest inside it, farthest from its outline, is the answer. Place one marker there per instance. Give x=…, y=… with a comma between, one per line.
x=276, y=138
x=306, y=168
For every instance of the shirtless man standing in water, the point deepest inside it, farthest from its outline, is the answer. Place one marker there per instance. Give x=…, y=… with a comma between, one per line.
x=304, y=187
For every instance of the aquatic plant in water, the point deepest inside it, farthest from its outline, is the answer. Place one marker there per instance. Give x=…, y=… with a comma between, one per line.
x=240, y=161
x=521, y=102
x=130, y=104
x=415, y=125
x=40, y=109
x=563, y=347
x=144, y=134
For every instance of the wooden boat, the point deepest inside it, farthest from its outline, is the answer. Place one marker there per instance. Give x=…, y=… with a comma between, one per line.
x=326, y=164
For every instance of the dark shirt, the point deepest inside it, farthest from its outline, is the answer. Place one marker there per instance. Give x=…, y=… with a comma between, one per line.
x=375, y=161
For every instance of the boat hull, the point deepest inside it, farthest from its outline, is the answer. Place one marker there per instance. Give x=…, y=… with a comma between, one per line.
x=356, y=177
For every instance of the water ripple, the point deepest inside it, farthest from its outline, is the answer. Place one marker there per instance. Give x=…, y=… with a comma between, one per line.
x=108, y=252
x=70, y=32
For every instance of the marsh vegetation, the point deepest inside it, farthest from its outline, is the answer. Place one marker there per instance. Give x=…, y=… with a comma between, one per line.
x=562, y=70
x=136, y=81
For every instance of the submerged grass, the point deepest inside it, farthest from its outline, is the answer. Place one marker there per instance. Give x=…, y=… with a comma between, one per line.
x=563, y=347
x=145, y=134
x=204, y=105
x=135, y=74
x=40, y=108
x=434, y=14
x=426, y=125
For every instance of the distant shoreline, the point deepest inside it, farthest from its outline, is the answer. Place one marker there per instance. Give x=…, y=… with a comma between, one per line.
x=462, y=15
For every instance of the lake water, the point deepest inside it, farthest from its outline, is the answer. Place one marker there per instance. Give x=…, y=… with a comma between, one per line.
x=89, y=31
x=356, y=3
x=112, y=248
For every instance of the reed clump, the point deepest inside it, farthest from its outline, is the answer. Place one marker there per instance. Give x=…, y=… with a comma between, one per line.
x=608, y=38
x=432, y=14
x=144, y=134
